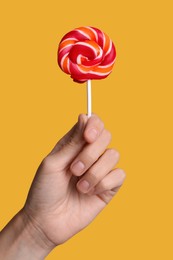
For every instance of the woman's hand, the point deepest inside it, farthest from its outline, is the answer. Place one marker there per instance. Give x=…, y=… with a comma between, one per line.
x=72, y=185
x=75, y=181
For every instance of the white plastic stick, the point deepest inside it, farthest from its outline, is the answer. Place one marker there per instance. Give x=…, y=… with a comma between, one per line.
x=89, y=98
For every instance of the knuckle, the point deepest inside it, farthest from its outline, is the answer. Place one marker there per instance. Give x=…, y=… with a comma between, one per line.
x=107, y=135
x=122, y=175
x=93, y=176
x=113, y=153
x=103, y=185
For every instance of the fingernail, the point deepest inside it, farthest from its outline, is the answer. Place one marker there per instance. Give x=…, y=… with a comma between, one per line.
x=83, y=186
x=78, y=167
x=92, y=133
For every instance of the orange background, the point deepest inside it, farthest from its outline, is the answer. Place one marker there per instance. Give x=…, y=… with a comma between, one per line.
x=39, y=103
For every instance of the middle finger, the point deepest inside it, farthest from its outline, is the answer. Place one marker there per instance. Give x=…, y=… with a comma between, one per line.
x=98, y=171
x=90, y=154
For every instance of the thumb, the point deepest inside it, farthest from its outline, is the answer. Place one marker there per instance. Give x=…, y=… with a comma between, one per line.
x=70, y=145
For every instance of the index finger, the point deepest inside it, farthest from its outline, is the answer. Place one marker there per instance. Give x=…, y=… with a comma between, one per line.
x=93, y=129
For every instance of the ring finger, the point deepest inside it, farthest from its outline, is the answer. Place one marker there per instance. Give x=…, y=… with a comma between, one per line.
x=111, y=181
x=90, y=154
x=98, y=171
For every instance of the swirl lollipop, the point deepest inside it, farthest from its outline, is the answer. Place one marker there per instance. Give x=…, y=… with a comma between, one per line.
x=86, y=53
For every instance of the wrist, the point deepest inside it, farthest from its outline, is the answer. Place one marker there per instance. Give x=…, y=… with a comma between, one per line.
x=35, y=236
x=22, y=239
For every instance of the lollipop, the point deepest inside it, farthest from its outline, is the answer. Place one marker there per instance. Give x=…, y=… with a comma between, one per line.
x=86, y=53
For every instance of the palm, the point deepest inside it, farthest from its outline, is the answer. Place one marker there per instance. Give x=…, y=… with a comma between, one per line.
x=61, y=206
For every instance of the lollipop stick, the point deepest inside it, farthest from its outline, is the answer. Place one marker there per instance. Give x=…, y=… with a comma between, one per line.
x=89, y=99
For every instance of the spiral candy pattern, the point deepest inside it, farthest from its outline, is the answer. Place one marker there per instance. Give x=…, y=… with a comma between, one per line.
x=86, y=53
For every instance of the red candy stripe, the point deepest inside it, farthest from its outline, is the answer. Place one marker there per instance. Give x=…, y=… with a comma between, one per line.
x=86, y=53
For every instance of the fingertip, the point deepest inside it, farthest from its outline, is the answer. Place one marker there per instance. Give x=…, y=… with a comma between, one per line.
x=93, y=128
x=91, y=135
x=83, y=186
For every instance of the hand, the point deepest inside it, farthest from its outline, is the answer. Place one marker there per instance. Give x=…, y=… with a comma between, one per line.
x=74, y=182
x=71, y=186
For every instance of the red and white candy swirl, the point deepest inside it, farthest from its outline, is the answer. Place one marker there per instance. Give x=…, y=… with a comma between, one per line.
x=86, y=53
